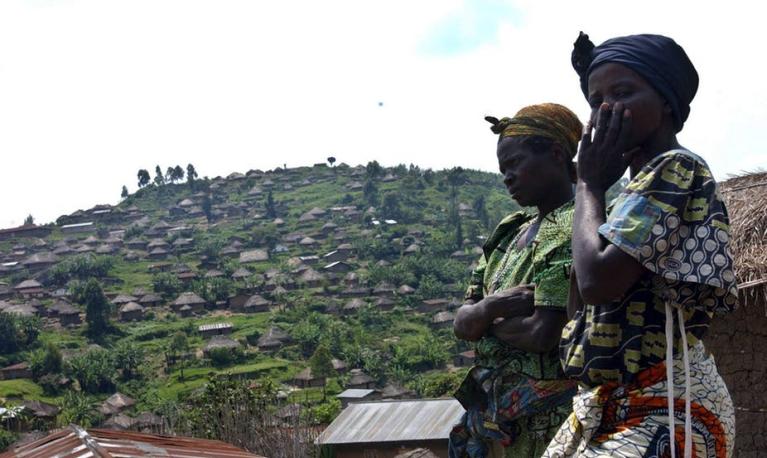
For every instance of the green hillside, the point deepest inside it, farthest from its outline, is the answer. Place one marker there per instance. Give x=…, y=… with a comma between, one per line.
x=363, y=263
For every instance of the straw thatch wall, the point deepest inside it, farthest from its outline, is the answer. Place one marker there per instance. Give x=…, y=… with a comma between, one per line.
x=739, y=340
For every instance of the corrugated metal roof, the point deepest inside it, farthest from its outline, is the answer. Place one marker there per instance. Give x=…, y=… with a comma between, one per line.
x=72, y=442
x=213, y=326
x=354, y=393
x=393, y=421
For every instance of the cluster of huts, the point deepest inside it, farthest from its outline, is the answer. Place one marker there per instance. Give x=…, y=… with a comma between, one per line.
x=318, y=247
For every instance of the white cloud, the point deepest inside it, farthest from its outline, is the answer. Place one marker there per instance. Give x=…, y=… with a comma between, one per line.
x=91, y=91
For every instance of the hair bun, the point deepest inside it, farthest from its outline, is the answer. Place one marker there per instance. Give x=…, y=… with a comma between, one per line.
x=582, y=55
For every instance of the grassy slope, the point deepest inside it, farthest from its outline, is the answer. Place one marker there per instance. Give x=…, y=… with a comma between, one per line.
x=154, y=336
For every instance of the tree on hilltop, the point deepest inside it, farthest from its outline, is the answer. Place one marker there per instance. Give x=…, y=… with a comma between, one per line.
x=170, y=175
x=29, y=220
x=174, y=174
x=191, y=175
x=159, y=180
x=331, y=160
x=143, y=178
x=124, y=192
x=373, y=169
x=455, y=178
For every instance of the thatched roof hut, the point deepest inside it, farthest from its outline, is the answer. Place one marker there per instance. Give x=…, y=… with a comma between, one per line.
x=738, y=339
x=190, y=299
x=746, y=198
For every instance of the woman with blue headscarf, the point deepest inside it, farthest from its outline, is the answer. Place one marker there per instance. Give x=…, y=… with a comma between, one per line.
x=652, y=270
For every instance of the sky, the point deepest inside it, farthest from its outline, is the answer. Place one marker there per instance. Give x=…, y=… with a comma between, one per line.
x=93, y=91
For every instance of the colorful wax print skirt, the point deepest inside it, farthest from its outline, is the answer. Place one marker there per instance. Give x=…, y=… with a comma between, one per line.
x=632, y=420
x=508, y=414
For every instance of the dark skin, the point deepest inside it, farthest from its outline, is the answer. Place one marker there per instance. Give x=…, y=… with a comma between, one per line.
x=534, y=179
x=631, y=125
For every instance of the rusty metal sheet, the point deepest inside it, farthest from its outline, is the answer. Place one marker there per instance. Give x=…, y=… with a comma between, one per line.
x=74, y=442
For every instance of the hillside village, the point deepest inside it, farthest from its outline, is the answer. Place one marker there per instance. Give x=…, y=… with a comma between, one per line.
x=317, y=285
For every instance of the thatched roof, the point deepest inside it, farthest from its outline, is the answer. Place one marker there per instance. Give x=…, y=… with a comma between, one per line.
x=124, y=299
x=62, y=307
x=256, y=301
x=189, y=298
x=306, y=241
x=116, y=403
x=242, y=273
x=442, y=317
x=131, y=307
x=747, y=207
x=254, y=256
x=150, y=298
x=306, y=217
x=41, y=258
x=221, y=342
x=305, y=375
x=310, y=275
x=26, y=284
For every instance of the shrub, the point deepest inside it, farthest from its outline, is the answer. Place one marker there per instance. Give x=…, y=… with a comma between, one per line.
x=17, y=333
x=94, y=371
x=221, y=357
x=6, y=439
x=50, y=384
x=326, y=412
x=48, y=361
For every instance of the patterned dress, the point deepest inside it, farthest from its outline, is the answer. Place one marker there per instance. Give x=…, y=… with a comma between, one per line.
x=516, y=400
x=672, y=220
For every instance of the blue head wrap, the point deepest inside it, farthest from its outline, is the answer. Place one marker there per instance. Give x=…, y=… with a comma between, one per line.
x=658, y=59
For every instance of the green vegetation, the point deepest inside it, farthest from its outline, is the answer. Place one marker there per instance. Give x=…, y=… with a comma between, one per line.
x=423, y=233
x=21, y=389
x=17, y=333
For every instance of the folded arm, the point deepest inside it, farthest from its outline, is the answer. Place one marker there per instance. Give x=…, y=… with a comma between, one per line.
x=537, y=333
x=473, y=320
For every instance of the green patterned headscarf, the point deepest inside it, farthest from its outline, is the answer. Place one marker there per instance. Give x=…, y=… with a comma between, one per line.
x=547, y=120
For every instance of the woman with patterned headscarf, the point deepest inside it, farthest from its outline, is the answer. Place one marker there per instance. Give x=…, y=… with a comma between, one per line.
x=652, y=270
x=516, y=396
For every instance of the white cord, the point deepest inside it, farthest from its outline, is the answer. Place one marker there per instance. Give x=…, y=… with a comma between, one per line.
x=670, y=376
x=687, y=408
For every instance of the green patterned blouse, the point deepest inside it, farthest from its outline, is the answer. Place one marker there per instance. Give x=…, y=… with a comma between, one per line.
x=545, y=262
x=513, y=397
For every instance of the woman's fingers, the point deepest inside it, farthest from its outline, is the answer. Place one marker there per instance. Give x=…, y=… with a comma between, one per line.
x=586, y=136
x=614, y=126
x=603, y=118
x=624, y=136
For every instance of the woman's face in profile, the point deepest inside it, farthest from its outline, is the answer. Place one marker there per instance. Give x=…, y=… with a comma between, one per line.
x=526, y=173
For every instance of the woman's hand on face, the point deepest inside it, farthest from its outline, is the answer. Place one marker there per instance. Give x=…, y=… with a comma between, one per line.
x=603, y=159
